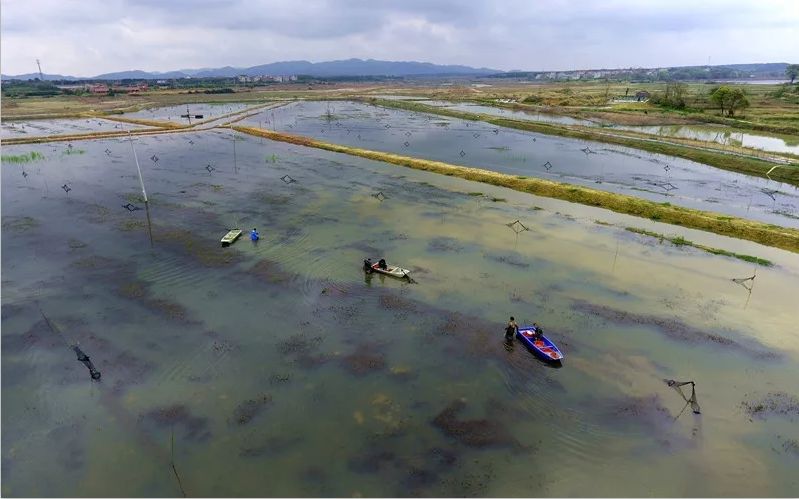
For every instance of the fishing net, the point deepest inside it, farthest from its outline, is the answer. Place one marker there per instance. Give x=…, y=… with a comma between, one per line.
x=677, y=385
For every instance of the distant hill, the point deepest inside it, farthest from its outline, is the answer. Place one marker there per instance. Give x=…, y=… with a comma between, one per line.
x=349, y=67
x=371, y=67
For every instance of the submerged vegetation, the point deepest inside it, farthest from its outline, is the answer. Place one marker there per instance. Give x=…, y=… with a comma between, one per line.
x=767, y=234
x=22, y=158
x=681, y=241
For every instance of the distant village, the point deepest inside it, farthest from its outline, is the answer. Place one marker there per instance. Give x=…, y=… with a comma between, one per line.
x=136, y=87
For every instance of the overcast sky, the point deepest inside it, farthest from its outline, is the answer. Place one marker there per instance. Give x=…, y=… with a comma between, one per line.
x=90, y=37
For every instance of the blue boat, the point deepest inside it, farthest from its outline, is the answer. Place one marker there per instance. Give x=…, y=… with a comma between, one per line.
x=540, y=345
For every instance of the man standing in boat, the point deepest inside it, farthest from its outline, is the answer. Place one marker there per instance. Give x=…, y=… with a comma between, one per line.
x=511, y=329
x=367, y=265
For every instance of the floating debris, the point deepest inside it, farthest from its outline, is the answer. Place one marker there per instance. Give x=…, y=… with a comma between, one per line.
x=154, y=158
x=24, y=174
x=407, y=143
x=210, y=168
x=547, y=165
x=66, y=188
x=287, y=179
x=475, y=135
x=587, y=150
x=379, y=196
x=496, y=131
x=667, y=167
x=462, y=153
x=108, y=152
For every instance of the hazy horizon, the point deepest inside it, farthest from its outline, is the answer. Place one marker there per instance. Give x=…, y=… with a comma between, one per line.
x=92, y=37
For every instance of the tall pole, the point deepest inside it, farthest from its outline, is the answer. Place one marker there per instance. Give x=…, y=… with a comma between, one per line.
x=143, y=192
x=41, y=76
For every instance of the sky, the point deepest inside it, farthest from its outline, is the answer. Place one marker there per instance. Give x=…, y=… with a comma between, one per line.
x=90, y=37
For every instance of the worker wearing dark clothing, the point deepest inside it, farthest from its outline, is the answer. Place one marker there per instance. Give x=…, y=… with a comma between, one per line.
x=367, y=265
x=511, y=328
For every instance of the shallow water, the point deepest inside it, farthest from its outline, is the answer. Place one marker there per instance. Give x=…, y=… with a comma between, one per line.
x=775, y=143
x=41, y=128
x=519, y=115
x=785, y=143
x=173, y=113
x=617, y=169
x=279, y=369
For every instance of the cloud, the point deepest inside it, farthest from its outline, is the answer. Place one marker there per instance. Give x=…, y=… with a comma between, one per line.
x=96, y=36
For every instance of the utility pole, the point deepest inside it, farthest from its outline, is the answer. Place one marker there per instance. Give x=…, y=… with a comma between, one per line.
x=41, y=76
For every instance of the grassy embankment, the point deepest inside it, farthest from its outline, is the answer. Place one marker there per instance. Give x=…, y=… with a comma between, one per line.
x=740, y=164
x=773, y=108
x=766, y=234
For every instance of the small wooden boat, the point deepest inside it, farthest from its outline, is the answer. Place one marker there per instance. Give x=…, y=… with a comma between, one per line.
x=392, y=271
x=541, y=345
x=231, y=236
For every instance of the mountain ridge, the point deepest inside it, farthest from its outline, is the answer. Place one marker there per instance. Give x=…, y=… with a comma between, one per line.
x=345, y=67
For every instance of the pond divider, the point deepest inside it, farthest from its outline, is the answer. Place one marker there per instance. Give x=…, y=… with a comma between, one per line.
x=762, y=233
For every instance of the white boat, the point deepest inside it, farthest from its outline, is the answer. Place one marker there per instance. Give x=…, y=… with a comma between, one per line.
x=392, y=271
x=231, y=236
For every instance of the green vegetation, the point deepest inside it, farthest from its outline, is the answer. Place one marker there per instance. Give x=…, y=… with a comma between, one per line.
x=22, y=158
x=729, y=98
x=767, y=234
x=681, y=241
x=792, y=71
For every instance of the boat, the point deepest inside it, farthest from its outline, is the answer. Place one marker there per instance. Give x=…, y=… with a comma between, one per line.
x=231, y=236
x=392, y=271
x=541, y=346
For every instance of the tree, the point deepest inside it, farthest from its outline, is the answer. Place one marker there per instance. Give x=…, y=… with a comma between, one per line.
x=729, y=98
x=675, y=94
x=792, y=71
x=721, y=96
x=738, y=100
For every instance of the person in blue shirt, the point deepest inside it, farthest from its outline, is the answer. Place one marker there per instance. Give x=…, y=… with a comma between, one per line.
x=254, y=235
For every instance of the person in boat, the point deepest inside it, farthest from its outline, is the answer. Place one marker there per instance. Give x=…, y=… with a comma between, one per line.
x=254, y=235
x=511, y=328
x=537, y=331
x=367, y=265
x=382, y=264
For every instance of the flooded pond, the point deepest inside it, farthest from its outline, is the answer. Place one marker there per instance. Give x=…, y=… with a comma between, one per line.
x=775, y=143
x=708, y=133
x=278, y=368
x=593, y=164
x=42, y=128
x=173, y=113
x=516, y=115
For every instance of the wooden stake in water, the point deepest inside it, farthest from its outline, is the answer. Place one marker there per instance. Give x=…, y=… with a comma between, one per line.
x=143, y=191
x=235, y=166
